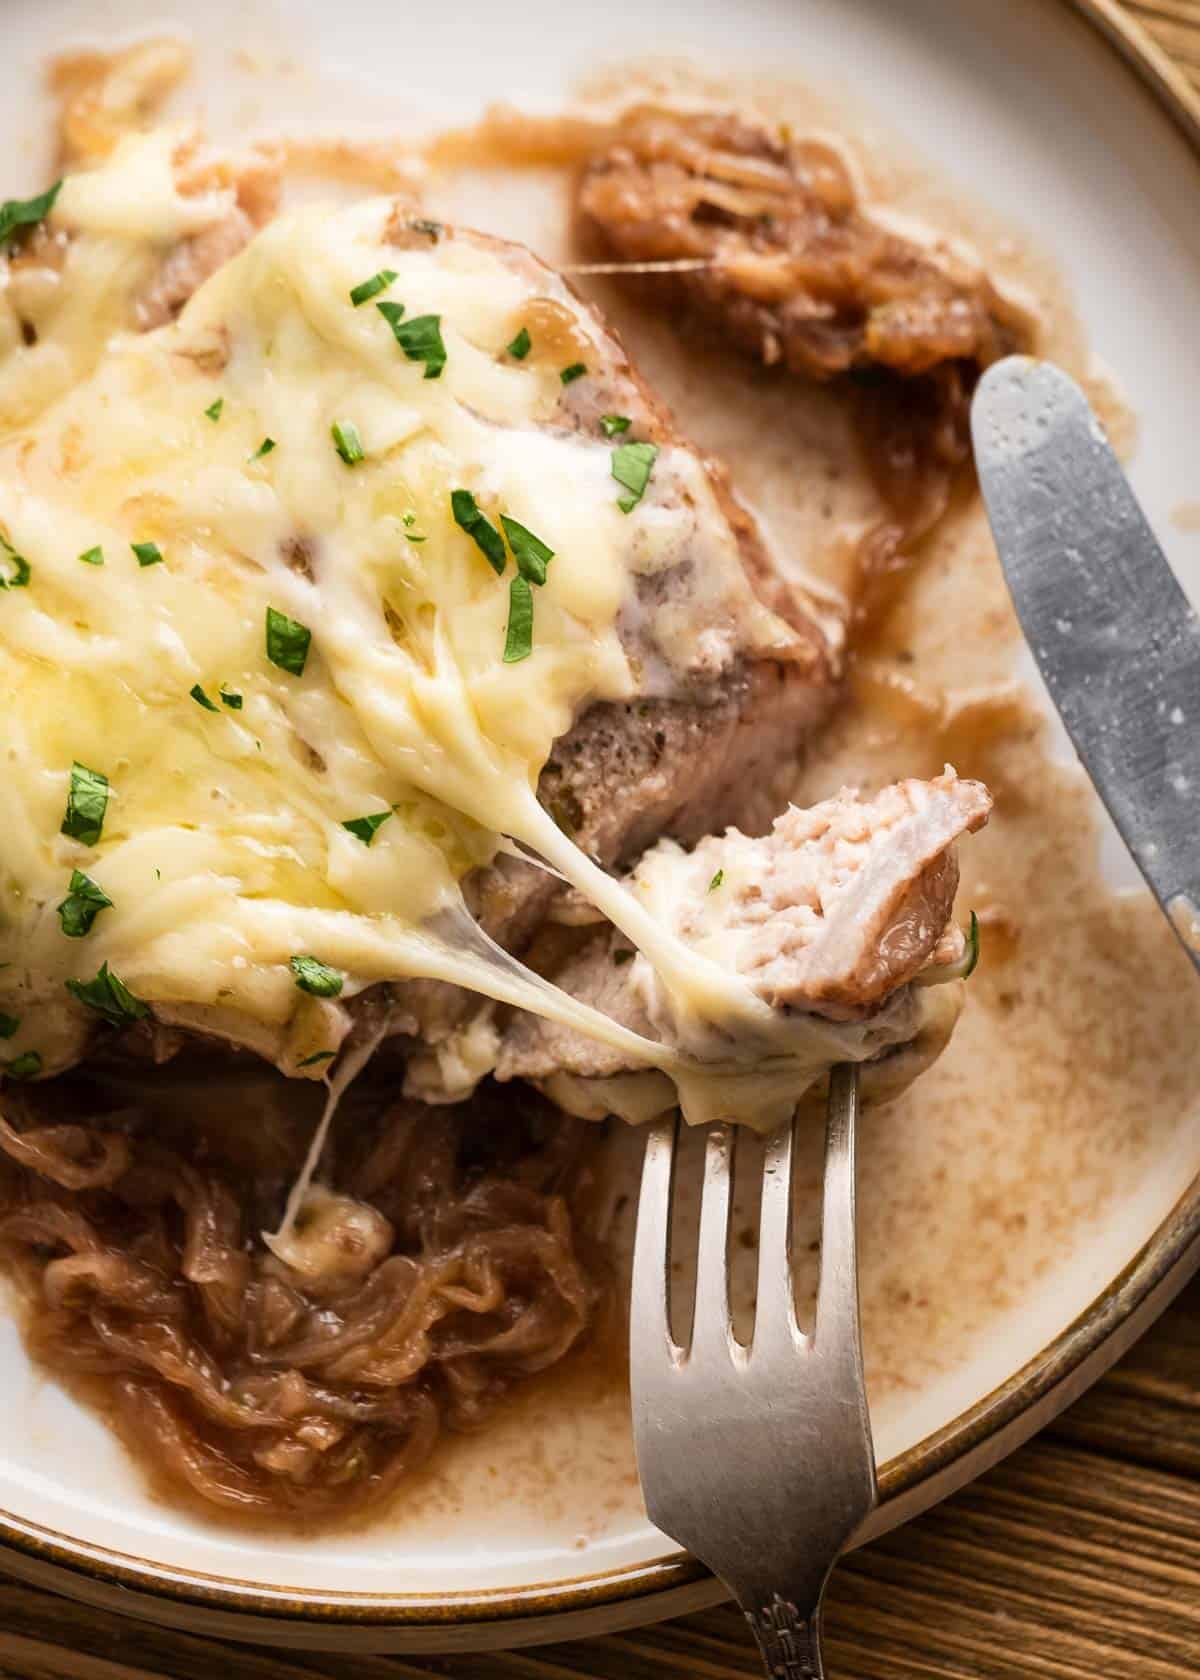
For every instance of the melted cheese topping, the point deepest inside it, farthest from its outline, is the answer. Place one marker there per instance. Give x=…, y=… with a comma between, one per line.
x=224, y=849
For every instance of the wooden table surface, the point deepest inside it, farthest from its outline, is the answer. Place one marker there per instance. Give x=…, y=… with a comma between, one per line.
x=1077, y=1559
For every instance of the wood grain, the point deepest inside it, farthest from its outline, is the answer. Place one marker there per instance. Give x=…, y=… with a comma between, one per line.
x=1175, y=25
x=1077, y=1559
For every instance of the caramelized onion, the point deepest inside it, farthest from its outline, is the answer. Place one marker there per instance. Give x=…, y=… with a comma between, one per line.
x=261, y=1387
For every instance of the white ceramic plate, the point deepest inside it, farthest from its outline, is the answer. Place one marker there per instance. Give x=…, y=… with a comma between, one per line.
x=1023, y=103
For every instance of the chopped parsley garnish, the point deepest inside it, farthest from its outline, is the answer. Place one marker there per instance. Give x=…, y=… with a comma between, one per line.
x=87, y=799
x=367, y=290
x=148, y=553
x=632, y=464
x=14, y=568
x=201, y=699
x=230, y=698
x=414, y=537
x=264, y=448
x=520, y=346
x=317, y=1056
x=109, y=997
x=484, y=534
x=213, y=411
x=530, y=552
x=611, y=424
x=366, y=828
x=9, y=1025
x=24, y=1067
x=569, y=375
x=93, y=556
x=316, y=978
x=83, y=903
x=26, y=212
x=716, y=880
x=347, y=442
x=420, y=339
x=518, y=640
x=287, y=642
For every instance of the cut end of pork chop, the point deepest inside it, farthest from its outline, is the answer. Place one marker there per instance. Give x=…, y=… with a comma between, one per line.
x=838, y=905
x=829, y=919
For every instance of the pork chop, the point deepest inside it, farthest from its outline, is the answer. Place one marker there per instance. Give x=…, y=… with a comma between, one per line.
x=722, y=706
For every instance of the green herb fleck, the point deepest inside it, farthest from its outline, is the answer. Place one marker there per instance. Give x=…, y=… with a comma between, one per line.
x=611, y=424
x=14, y=568
x=317, y=1056
x=213, y=411
x=201, y=699
x=287, y=642
x=484, y=534
x=518, y=641
x=109, y=997
x=716, y=880
x=230, y=698
x=569, y=375
x=521, y=345
x=409, y=518
x=24, y=1067
x=83, y=903
x=92, y=557
x=366, y=828
x=87, y=798
x=26, y=212
x=347, y=442
x=315, y=978
x=148, y=553
x=264, y=448
x=632, y=465
x=530, y=552
x=420, y=339
x=9, y=1025
x=371, y=288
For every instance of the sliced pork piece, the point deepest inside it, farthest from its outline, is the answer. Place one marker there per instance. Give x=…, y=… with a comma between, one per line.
x=831, y=917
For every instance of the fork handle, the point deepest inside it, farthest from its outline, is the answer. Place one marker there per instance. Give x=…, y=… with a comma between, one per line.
x=789, y=1642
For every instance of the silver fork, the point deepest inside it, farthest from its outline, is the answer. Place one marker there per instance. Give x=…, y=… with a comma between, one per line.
x=756, y=1458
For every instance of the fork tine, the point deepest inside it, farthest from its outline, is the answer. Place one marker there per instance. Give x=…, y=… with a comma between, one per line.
x=712, y=1323
x=837, y=1290
x=775, y=1313
x=651, y=1298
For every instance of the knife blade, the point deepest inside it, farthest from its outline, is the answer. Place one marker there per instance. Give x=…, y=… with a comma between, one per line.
x=1114, y=635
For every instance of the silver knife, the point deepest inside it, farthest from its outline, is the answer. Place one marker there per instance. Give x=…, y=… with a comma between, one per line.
x=1112, y=631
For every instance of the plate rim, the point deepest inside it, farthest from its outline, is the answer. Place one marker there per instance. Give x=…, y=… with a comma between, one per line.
x=674, y=1583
